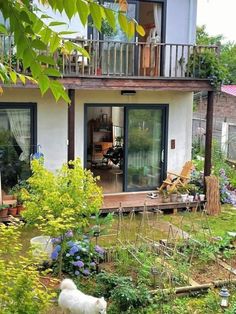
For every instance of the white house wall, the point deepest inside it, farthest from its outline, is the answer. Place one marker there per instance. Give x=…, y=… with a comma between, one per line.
x=181, y=19
x=52, y=120
x=180, y=118
x=51, y=123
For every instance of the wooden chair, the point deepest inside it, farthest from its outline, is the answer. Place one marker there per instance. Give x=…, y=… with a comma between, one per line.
x=173, y=180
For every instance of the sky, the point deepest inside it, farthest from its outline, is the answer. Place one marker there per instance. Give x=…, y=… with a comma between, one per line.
x=219, y=16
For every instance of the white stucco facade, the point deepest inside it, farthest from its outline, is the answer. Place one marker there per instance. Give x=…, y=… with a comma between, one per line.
x=51, y=123
x=52, y=120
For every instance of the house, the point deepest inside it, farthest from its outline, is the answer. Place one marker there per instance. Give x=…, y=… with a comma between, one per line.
x=130, y=117
x=224, y=120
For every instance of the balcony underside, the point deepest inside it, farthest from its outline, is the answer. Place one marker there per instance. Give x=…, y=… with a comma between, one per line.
x=121, y=83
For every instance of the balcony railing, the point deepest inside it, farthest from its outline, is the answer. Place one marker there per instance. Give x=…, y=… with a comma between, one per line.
x=126, y=59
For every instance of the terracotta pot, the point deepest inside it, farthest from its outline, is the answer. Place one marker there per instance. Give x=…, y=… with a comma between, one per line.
x=20, y=208
x=4, y=212
x=12, y=211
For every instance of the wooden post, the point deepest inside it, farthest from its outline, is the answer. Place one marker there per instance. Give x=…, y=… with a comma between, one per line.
x=209, y=128
x=71, y=126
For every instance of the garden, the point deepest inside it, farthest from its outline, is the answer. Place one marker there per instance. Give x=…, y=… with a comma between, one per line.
x=140, y=263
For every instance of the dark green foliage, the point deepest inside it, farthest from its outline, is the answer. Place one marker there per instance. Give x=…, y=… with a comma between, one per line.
x=123, y=293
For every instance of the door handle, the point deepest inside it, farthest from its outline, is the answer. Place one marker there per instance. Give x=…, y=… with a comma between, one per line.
x=162, y=155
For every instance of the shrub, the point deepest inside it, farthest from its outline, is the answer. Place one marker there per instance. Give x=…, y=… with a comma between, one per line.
x=59, y=202
x=20, y=288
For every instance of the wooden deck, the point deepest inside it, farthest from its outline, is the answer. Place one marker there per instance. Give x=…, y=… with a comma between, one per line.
x=137, y=200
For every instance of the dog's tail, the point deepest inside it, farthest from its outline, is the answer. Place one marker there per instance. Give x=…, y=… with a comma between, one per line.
x=68, y=284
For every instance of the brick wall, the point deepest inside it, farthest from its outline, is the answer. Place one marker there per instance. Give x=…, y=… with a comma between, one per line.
x=224, y=108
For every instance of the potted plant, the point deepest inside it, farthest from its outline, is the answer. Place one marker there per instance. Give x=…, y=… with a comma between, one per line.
x=183, y=190
x=12, y=210
x=164, y=196
x=173, y=195
x=17, y=192
x=3, y=210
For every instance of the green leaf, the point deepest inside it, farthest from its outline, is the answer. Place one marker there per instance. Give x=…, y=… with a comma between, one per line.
x=37, y=26
x=38, y=44
x=96, y=14
x=65, y=96
x=83, y=10
x=70, y=7
x=131, y=29
x=24, y=17
x=27, y=57
x=45, y=35
x=44, y=83
x=59, y=5
x=67, y=33
x=55, y=23
x=22, y=78
x=35, y=69
x=57, y=89
x=52, y=72
x=140, y=30
x=123, y=23
x=3, y=29
x=45, y=16
x=110, y=18
x=13, y=76
x=29, y=30
x=54, y=42
x=46, y=59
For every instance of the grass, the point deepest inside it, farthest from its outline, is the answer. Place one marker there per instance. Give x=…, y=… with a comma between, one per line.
x=202, y=226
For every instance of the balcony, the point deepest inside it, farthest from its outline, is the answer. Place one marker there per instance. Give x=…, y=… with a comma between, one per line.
x=130, y=60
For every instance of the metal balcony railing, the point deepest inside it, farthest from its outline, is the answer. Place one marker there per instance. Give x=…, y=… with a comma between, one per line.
x=113, y=59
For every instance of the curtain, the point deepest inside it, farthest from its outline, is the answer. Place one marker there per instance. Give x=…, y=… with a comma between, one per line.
x=20, y=127
x=157, y=18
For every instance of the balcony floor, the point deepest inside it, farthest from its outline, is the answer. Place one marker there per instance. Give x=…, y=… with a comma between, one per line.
x=134, y=83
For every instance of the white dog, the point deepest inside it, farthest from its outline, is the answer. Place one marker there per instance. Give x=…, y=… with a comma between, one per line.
x=76, y=302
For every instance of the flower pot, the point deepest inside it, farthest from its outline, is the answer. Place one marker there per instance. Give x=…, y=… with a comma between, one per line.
x=191, y=198
x=42, y=247
x=12, y=211
x=20, y=208
x=202, y=197
x=184, y=197
x=166, y=199
x=173, y=197
x=4, y=212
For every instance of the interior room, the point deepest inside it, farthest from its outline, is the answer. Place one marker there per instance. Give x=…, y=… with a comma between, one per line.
x=105, y=133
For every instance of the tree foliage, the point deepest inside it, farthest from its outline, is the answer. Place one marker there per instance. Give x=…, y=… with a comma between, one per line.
x=36, y=42
x=227, y=58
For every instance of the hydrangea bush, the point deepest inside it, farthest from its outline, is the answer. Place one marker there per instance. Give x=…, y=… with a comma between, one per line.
x=226, y=193
x=80, y=257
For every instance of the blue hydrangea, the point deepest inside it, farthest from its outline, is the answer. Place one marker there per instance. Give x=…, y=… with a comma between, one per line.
x=86, y=272
x=54, y=255
x=99, y=250
x=79, y=264
x=58, y=248
x=73, y=250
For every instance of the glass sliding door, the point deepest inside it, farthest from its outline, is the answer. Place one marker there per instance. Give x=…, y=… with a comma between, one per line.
x=144, y=147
